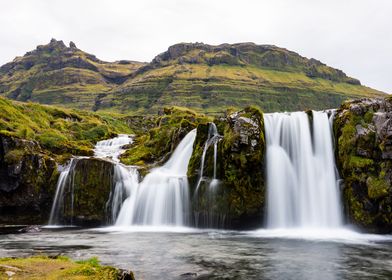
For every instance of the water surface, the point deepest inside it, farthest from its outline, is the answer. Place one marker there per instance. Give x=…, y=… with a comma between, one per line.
x=161, y=253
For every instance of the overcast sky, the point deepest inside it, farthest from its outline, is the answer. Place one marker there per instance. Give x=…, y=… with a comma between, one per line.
x=352, y=35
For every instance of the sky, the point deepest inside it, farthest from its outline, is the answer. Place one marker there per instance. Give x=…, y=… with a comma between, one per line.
x=352, y=35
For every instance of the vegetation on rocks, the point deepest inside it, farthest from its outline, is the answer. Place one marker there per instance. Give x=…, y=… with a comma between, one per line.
x=59, y=131
x=60, y=267
x=89, y=193
x=33, y=139
x=238, y=199
x=155, y=146
x=364, y=156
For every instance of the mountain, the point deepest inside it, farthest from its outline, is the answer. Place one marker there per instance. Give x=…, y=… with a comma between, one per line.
x=196, y=75
x=61, y=75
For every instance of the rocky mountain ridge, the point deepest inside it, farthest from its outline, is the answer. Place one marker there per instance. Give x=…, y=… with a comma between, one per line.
x=199, y=76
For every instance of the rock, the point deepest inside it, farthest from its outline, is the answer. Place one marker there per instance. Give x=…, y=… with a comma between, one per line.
x=125, y=275
x=92, y=184
x=28, y=177
x=30, y=229
x=238, y=197
x=363, y=132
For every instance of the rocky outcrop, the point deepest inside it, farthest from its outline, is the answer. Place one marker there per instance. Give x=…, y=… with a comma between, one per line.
x=237, y=200
x=27, y=180
x=87, y=191
x=363, y=131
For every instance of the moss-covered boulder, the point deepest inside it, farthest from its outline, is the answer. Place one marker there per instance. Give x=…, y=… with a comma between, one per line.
x=87, y=193
x=27, y=180
x=363, y=132
x=237, y=199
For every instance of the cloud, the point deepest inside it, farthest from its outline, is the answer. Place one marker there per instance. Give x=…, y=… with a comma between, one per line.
x=352, y=35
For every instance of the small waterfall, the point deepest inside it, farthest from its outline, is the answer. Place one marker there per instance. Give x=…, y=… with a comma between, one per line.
x=207, y=189
x=212, y=139
x=112, y=148
x=162, y=198
x=64, y=185
x=124, y=179
x=302, y=186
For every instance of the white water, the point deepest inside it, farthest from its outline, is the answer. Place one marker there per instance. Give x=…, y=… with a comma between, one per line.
x=64, y=184
x=212, y=139
x=162, y=198
x=302, y=187
x=112, y=148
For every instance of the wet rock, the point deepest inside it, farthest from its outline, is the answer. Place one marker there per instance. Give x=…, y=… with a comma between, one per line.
x=188, y=275
x=237, y=200
x=363, y=132
x=125, y=275
x=27, y=180
x=30, y=229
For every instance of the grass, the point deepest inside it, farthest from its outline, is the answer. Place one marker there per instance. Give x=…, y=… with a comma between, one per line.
x=43, y=267
x=58, y=130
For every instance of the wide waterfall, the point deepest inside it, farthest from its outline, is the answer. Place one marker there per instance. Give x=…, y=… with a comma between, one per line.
x=302, y=185
x=162, y=198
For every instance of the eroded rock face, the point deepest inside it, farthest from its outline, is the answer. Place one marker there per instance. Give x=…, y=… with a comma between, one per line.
x=27, y=180
x=363, y=131
x=90, y=187
x=239, y=196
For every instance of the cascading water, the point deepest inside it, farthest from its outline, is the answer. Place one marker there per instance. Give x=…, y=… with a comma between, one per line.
x=212, y=139
x=205, y=197
x=112, y=148
x=162, y=198
x=64, y=185
x=124, y=179
x=302, y=186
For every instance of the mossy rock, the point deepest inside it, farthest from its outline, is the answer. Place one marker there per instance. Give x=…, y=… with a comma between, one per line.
x=238, y=200
x=362, y=130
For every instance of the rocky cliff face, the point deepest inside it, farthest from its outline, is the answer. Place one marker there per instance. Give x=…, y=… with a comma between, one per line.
x=363, y=131
x=90, y=186
x=237, y=200
x=27, y=180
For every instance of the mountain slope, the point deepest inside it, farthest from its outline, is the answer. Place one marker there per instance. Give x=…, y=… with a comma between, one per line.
x=203, y=77
x=61, y=75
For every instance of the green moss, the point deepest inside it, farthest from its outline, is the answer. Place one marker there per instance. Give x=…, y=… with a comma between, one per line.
x=43, y=267
x=156, y=145
x=377, y=187
x=59, y=130
x=14, y=156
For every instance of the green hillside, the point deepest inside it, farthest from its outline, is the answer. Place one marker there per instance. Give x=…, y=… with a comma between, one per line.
x=61, y=131
x=199, y=76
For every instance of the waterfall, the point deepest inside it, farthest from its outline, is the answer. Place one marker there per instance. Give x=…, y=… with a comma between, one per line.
x=212, y=139
x=64, y=184
x=162, y=198
x=207, y=191
x=302, y=186
x=124, y=179
x=112, y=148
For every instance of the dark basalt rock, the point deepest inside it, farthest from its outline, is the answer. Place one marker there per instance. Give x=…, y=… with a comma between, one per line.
x=363, y=132
x=27, y=181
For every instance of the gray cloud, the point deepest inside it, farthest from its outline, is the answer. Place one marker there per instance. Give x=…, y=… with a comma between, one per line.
x=352, y=35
